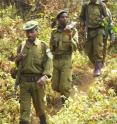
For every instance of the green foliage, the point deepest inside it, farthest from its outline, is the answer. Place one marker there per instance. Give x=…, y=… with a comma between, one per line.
x=9, y=106
x=91, y=108
x=96, y=106
x=44, y=30
x=115, y=30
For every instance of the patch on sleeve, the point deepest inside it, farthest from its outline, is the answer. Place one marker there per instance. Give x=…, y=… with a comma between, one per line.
x=49, y=54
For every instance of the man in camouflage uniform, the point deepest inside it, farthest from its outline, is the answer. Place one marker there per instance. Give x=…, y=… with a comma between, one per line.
x=34, y=65
x=92, y=16
x=62, y=44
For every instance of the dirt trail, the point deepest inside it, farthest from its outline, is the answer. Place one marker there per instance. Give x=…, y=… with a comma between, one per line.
x=83, y=78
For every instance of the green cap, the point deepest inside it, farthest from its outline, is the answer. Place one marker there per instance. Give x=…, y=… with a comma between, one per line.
x=60, y=13
x=30, y=25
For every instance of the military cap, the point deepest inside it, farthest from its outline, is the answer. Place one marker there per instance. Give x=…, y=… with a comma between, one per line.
x=60, y=13
x=30, y=25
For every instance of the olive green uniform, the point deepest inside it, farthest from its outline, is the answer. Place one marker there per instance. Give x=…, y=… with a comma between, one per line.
x=33, y=66
x=91, y=15
x=62, y=47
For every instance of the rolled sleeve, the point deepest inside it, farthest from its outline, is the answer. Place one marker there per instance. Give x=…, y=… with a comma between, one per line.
x=48, y=63
x=74, y=40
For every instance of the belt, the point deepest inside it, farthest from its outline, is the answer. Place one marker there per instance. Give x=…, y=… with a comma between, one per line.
x=62, y=56
x=90, y=29
x=30, y=77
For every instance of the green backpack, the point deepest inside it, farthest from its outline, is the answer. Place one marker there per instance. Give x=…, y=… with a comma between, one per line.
x=101, y=7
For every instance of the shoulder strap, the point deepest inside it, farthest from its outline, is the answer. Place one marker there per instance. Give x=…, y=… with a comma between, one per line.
x=85, y=9
x=86, y=12
x=43, y=46
x=22, y=46
x=86, y=17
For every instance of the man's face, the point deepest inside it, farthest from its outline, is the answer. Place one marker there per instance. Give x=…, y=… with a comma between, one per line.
x=31, y=34
x=63, y=19
x=93, y=1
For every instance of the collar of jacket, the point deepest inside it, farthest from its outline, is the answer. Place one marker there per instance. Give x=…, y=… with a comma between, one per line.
x=36, y=42
x=97, y=3
x=60, y=30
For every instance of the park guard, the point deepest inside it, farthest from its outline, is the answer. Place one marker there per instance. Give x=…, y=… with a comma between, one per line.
x=62, y=44
x=34, y=67
x=92, y=17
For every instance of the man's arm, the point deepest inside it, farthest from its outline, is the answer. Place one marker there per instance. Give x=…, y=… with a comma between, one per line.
x=74, y=40
x=20, y=56
x=17, y=81
x=83, y=15
x=17, y=59
x=52, y=44
x=104, y=9
x=48, y=62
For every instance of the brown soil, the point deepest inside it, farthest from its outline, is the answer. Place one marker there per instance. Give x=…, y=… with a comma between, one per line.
x=83, y=78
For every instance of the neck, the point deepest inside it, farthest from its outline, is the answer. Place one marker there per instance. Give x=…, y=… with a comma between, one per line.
x=31, y=40
x=93, y=2
x=61, y=26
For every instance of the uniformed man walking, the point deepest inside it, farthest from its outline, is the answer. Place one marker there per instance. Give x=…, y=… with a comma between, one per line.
x=62, y=44
x=91, y=17
x=35, y=67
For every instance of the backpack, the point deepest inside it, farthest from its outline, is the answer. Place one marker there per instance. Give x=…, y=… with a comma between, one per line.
x=101, y=7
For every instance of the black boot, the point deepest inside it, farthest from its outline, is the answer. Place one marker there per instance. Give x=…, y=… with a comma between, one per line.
x=97, y=70
x=42, y=119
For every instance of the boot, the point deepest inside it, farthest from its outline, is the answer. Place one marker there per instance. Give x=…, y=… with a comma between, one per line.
x=42, y=119
x=97, y=70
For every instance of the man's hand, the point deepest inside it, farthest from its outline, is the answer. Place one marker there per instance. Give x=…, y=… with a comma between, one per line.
x=20, y=57
x=69, y=29
x=42, y=80
x=69, y=33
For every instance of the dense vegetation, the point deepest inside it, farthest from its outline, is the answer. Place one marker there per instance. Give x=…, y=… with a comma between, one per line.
x=93, y=100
